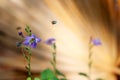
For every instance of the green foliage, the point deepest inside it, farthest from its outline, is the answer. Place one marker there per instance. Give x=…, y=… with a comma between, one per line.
x=36, y=78
x=62, y=79
x=48, y=74
x=26, y=68
x=83, y=74
x=60, y=73
x=27, y=48
x=28, y=30
x=29, y=78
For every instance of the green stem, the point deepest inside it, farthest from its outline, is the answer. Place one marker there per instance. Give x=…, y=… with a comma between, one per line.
x=90, y=64
x=28, y=59
x=54, y=63
x=90, y=61
x=54, y=59
x=29, y=64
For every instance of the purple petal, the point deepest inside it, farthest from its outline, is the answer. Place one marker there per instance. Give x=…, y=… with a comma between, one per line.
x=96, y=42
x=31, y=41
x=37, y=40
x=33, y=36
x=50, y=41
x=27, y=40
x=26, y=43
x=33, y=45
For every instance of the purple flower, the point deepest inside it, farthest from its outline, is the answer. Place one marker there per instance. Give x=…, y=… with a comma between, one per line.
x=96, y=42
x=31, y=41
x=20, y=34
x=50, y=41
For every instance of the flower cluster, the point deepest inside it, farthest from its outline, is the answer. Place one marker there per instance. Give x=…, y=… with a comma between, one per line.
x=31, y=40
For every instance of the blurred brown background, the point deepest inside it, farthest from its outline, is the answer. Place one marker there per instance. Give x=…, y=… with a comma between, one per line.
x=77, y=20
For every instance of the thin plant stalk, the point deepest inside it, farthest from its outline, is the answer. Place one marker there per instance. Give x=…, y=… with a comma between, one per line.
x=28, y=59
x=90, y=60
x=54, y=58
x=29, y=64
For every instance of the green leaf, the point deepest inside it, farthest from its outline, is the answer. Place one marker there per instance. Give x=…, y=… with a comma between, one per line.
x=26, y=57
x=26, y=67
x=55, y=78
x=26, y=48
x=83, y=74
x=36, y=78
x=27, y=26
x=99, y=79
x=63, y=79
x=27, y=29
x=59, y=73
x=29, y=78
x=48, y=74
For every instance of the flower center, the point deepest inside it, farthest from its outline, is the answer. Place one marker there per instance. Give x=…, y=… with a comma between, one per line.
x=32, y=40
